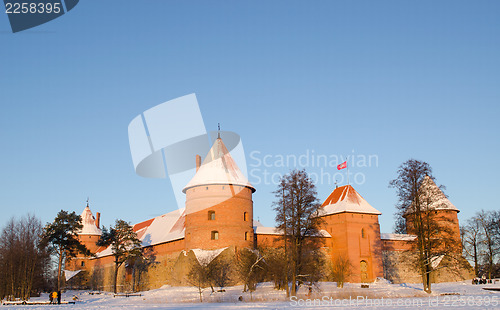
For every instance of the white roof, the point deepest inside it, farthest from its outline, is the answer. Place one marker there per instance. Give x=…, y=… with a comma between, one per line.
x=403, y=237
x=346, y=199
x=164, y=228
x=161, y=229
x=261, y=230
x=88, y=222
x=438, y=200
x=218, y=168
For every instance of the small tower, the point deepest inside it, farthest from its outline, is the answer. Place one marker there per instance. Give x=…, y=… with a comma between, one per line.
x=90, y=232
x=88, y=236
x=219, y=206
x=353, y=224
x=441, y=213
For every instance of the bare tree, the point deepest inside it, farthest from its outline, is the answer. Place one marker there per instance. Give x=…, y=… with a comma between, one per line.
x=490, y=237
x=251, y=265
x=418, y=197
x=341, y=269
x=198, y=277
x=471, y=241
x=24, y=258
x=276, y=269
x=219, y=272
x=296, y=214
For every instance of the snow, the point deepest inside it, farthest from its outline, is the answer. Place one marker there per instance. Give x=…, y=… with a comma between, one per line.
x=436, y=260
x=346, y=199
x=218, y=168
x=68, y=274
x=204, y=257
x=163, y=228
x=88, y=222
x=325, y=295
x=404, y=237
x=261, y=230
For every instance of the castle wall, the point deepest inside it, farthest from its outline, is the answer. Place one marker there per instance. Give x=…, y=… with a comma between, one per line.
x=397, y=245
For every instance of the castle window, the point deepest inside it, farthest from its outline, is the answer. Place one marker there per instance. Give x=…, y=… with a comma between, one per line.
x=207, y=188
x=363, y=233
x=245, y=217
x=215, y=235
x=246, y=234
x=83, y=264
x=211, y=215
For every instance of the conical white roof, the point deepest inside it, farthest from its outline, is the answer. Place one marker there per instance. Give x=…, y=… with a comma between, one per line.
x=434, y=196
x=346, y=199
x=88, y=222
x=218, y=168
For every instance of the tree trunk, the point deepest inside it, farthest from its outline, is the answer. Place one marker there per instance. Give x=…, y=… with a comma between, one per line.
x=476, y=271
x=116, y=277
x=59, y=267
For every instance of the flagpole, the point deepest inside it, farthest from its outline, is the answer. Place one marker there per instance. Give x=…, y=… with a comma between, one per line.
x=347, y=166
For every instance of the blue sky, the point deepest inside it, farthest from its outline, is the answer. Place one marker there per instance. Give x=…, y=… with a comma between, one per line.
x=395, y=79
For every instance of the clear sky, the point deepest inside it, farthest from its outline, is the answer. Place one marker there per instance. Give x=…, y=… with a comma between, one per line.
x=391, y=79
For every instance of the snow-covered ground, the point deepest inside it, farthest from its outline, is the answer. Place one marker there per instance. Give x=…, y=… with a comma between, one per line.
x=381, y=295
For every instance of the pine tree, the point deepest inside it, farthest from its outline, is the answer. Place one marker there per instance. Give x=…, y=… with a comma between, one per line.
x=124, y=245
x=61, y=236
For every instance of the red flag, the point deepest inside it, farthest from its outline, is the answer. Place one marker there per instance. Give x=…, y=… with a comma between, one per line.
x=342, y=165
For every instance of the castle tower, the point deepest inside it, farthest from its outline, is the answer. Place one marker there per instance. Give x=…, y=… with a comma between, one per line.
x=90, y=232
x=219, y=206
x=88, y=236
x=353, y=224
x=442, y=215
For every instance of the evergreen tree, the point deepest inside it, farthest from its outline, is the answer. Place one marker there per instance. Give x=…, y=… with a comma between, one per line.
x=61, y=236
x=124, y=245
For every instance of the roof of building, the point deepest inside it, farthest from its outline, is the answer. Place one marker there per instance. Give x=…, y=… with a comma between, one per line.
x=164, y=228
x=218, y=168
x=396, y=237
x=432, y=193
x=261, y=230
x=88, y=222
x=346, y=199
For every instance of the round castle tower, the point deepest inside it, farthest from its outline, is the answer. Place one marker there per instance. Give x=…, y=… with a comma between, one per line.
x=442, y=213
x=219, y=206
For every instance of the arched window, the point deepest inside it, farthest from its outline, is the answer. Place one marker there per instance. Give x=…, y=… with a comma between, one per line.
x=83, y=264
x=363, y=233
x=215, y=235
x=245, y=217
x=211, y=215
x=246, y=234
